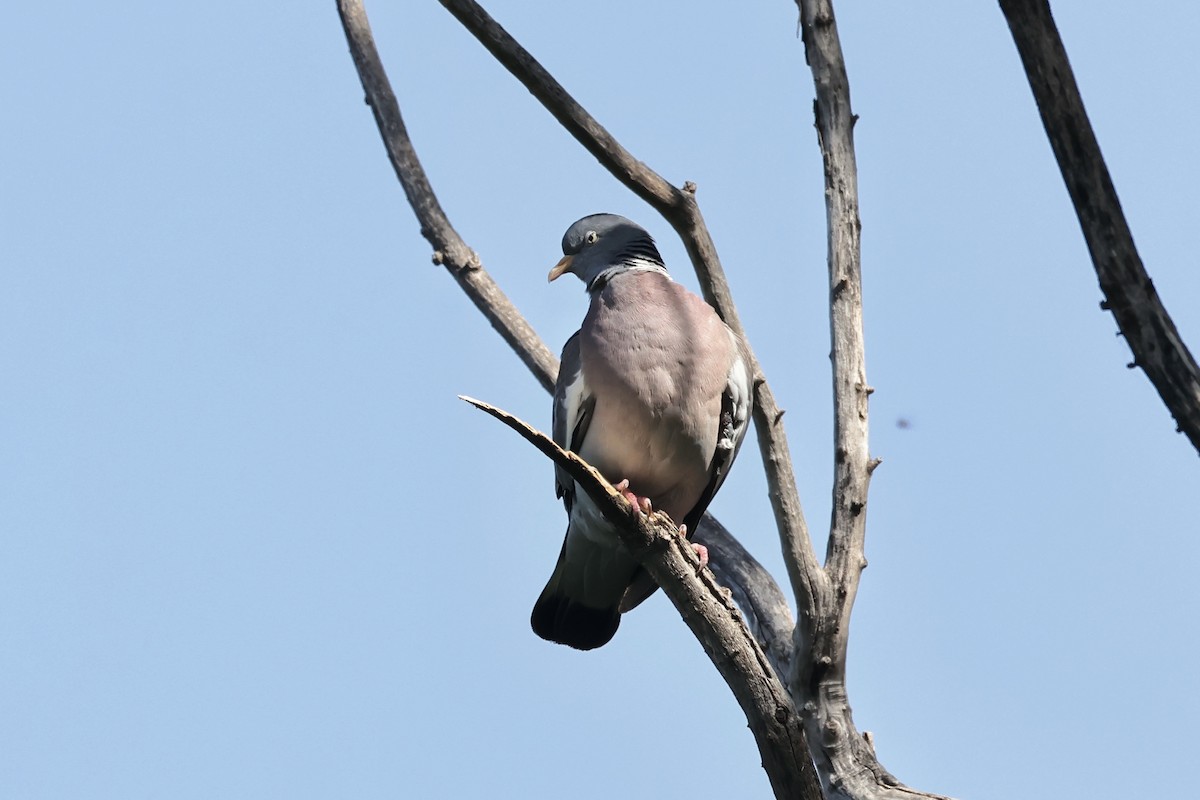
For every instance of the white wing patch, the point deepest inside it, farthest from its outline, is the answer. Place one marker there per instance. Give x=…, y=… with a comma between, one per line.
x=575, y=395
x=742, y=392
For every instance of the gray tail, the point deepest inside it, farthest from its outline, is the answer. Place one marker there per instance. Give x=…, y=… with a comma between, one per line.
x=581, y=604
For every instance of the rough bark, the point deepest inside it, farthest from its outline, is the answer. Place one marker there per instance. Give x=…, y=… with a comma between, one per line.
x=1129, y=293
x=844, y=758
x=763, y=604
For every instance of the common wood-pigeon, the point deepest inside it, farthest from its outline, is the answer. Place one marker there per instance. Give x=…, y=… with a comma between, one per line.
x=654, y=390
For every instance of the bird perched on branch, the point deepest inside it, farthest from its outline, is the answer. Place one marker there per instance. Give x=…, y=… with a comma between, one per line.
x=654, y=391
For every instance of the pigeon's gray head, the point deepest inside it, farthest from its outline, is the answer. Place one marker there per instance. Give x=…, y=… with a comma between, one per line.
x=600, y=246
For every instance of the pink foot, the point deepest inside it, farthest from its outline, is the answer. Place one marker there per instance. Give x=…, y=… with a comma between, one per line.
x=701, y=550
x=641, y=503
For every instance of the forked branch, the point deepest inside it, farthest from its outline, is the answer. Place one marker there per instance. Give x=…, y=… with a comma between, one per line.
x=844, y=758
x=824, y=596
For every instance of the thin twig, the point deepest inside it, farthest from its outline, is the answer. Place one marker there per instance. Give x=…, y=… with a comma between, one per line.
x=678, y=206
x=707, y=609
x=448, y=247
x=1130, y=294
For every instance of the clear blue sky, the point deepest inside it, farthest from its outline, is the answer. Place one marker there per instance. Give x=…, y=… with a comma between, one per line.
x=252, y=546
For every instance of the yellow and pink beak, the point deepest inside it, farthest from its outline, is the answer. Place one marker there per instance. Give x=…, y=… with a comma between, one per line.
x=561, y=267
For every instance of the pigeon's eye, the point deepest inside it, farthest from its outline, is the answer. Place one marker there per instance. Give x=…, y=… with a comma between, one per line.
x=590, y=237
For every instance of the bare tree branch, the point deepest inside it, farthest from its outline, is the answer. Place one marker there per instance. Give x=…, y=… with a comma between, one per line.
x=709, y=612
x=678, y=206
x=1156, y=344
x=754, y=590
x=845, y=760
x=852, y=462
x=449, y=249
